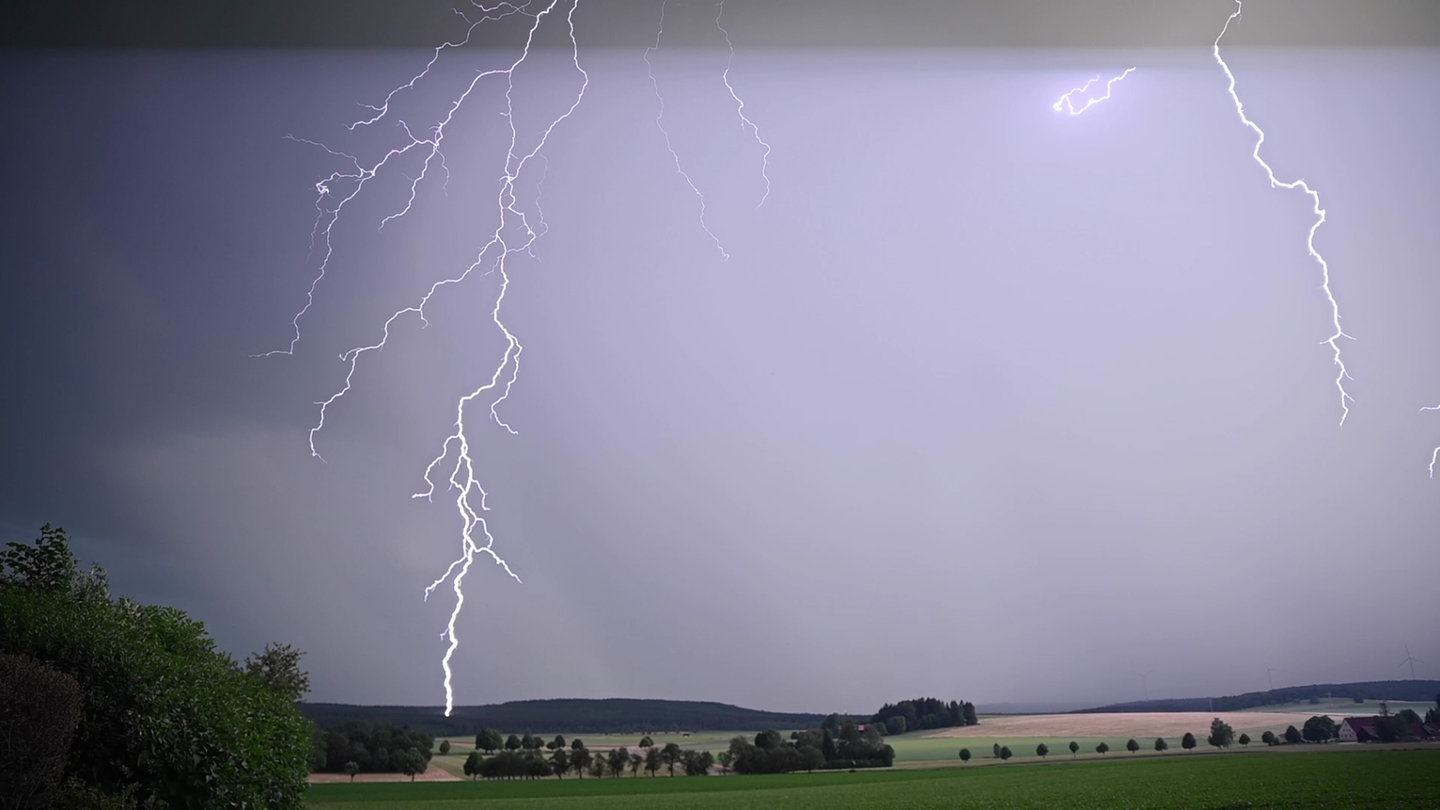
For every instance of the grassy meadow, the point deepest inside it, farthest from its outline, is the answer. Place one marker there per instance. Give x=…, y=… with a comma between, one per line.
x=1301, y=778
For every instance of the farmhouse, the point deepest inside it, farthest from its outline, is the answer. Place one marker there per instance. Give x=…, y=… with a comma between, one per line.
x=1358, y=729
x=1365, y=729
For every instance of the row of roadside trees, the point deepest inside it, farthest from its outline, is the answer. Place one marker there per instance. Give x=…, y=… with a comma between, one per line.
x=522, y=758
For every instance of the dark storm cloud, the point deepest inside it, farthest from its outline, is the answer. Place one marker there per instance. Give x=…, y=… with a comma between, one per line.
x=757, y=23
x=988, y=401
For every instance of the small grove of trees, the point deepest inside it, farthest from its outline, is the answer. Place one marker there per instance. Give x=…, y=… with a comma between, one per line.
x=1319, y=729
x=1221, y=734
x=923, y=713
x=811, y=750
x=489, y=740
x=165, y=719
x=376, y=748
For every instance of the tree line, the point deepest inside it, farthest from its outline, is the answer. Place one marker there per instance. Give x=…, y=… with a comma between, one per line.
x=810, y=750
x=522, y=758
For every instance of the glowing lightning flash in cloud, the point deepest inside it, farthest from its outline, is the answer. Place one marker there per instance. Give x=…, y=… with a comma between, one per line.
x=1067, y=103
x=514, y=233
x=1333, y=340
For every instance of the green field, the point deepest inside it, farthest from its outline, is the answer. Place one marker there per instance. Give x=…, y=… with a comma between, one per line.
x=1299, y=779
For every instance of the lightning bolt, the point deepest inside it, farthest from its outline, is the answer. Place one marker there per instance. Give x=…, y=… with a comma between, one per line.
x=514, y=232
x=745, y=123
x=1435, y=455
x=1333, y=340
x=332, y=193
x=1066, y=102
x=660, y=124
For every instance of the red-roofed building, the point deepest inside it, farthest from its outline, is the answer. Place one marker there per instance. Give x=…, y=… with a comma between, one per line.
x=1358, y=729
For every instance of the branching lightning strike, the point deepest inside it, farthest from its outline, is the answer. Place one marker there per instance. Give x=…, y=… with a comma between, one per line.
x=660, y=124
x=516, y=231
x=471, y=496
x=1333, y=340
x=1066, y=103
x=740, y=105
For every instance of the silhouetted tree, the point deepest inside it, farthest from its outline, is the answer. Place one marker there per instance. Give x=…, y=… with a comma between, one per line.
x=1102, y=747
x=1074, y=748
x=1131, y=745
x=652, y=760
x=964, y=754
x=670, y=755
x=444, y=747
x=352, y=767
x=1042, y=750
x=1268, y=738
x=1005, y=752
x=1188, y=741
x=618, y=759
x=1160, y=744
x=560, y=761
x=1221, y=735
x=489, y=740
x=1292, y=735
x=1244, y=739
x=646, y=742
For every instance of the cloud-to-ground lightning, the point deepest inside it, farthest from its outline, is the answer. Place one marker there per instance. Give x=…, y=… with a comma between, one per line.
x=1066, y=103
x=745, y=122
x=517, y=228
x=660, y=124
x=1333, y=341
x=514, y=232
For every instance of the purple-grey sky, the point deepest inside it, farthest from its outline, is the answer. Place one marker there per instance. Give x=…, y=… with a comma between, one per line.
x=989, y=402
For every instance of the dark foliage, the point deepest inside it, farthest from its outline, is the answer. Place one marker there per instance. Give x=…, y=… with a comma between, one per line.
x=39, y=709
x=375, y=748
x=924, y=713
x=165, y=717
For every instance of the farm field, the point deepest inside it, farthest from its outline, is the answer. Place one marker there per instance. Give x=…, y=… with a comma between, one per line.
x=1298, y=779
x=1020, y=732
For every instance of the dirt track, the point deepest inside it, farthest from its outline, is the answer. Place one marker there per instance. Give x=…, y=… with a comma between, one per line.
x=432, y=774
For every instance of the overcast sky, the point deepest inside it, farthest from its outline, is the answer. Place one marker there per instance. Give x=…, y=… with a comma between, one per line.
x=989, y=402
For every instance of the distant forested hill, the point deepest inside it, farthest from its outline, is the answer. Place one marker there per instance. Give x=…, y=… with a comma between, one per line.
x=1413, y=690
x=565, y=715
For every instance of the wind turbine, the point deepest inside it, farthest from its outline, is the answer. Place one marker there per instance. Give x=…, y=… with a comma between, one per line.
x=1411, y=660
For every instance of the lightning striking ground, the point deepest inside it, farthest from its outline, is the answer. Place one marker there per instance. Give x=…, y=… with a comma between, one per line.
x=1067, y=102
x=1332, y=341
x=517, y=229
x=660, y=124
x=515, y=232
